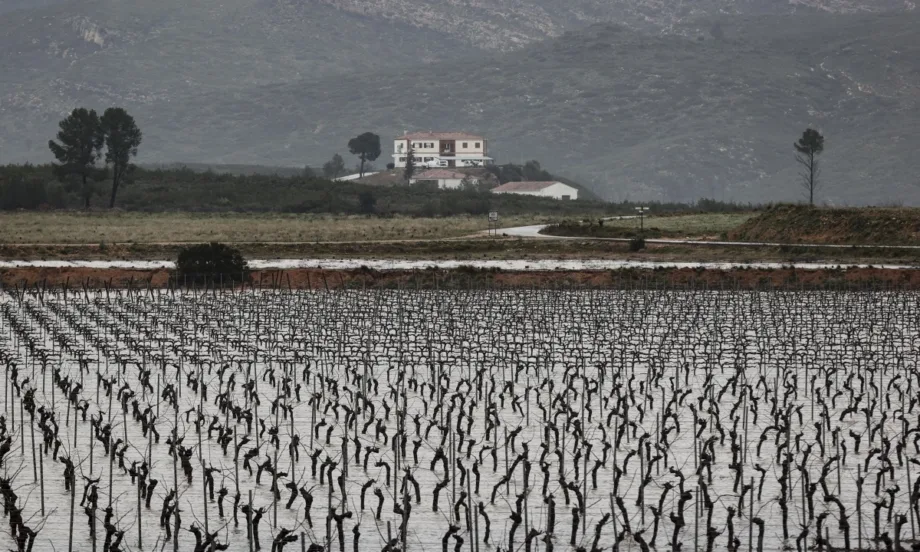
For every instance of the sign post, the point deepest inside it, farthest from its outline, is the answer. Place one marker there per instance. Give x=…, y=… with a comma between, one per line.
x=642, y=211
x=493, y=223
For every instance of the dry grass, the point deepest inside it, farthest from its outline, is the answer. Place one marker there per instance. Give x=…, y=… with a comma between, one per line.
x=833, y=225
x=110, y=228
x=695, y=225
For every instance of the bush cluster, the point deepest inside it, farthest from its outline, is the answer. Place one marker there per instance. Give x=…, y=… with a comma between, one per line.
x=210, y=264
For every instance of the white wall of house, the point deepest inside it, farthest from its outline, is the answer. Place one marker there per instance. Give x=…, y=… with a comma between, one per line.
x=471, y=146
x=432, y=152
x=425, y=146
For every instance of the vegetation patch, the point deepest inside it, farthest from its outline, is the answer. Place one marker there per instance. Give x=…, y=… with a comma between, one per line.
x=210, y=263
x=39, y=187
x=804, y=224
x=692, y=226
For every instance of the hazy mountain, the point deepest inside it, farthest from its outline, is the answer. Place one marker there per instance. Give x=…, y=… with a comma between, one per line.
x=667, y=105
x=110, y=52
x=507, y=24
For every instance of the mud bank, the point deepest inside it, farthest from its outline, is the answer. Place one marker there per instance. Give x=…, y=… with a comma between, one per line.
x=791, y=278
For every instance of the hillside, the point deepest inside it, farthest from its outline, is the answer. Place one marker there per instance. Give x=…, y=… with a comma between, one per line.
x=509, y=24
x=802, y=224
x=153, y=55
x=35, y=188
x=631, y=115
x=631, y=111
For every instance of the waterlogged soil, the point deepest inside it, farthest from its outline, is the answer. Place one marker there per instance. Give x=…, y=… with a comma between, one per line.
x=78, y=278
x=498, y=248
x=672, y=400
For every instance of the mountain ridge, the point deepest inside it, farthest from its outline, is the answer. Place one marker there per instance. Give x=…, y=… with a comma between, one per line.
x=708, y=108
x=685, y=119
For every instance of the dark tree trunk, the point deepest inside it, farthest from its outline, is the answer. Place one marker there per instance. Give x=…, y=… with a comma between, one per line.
x=86, y=194
x=116, y=180
x=811, y=179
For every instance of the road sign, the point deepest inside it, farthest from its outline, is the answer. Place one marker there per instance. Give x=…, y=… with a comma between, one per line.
x=493, y=216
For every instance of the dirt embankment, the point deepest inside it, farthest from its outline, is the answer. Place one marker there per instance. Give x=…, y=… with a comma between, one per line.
x=803, y=224
x=78, y=279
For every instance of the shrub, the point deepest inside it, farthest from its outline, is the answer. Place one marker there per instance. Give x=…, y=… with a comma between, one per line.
x=636, y=244
x=20, y=192
x=210, y=263
x=367, y=202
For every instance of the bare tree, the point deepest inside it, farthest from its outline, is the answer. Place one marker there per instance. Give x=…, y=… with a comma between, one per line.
x=808, y=148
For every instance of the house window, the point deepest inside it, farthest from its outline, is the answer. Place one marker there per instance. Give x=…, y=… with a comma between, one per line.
x=477, y=145
x=465, y=145
x=402, y=159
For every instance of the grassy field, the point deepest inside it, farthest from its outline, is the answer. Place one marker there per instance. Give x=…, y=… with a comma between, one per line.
x=701, y=224
x=697, y=225
x=141, y=228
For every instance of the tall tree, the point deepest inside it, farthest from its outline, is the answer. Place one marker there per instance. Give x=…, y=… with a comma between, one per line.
x=366, y=147
x=122, y=137
x=808, y=148
x=332, y=169
x=409, y=170
x=81, y=139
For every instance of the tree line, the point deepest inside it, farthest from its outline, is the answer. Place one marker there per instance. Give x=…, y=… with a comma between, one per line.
x=82, y=135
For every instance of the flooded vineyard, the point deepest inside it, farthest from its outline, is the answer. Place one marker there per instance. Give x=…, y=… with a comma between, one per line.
x=459, y=420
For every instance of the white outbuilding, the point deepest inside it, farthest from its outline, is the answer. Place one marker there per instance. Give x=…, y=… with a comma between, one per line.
x=553, y=189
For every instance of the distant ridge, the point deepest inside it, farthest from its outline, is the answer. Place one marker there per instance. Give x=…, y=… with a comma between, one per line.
x=673, y=104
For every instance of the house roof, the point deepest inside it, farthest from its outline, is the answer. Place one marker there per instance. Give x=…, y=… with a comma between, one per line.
x=531, y=186
x=439, y=136
x=440, y=174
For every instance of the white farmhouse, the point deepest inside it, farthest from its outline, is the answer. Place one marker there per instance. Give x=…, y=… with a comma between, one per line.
x=555, y=190
x=442, y=149
x=446, y=178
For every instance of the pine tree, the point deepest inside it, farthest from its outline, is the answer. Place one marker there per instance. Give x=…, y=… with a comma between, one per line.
x=80, y=138
x=808, y=148
x=122, y=137
x=366, y=147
